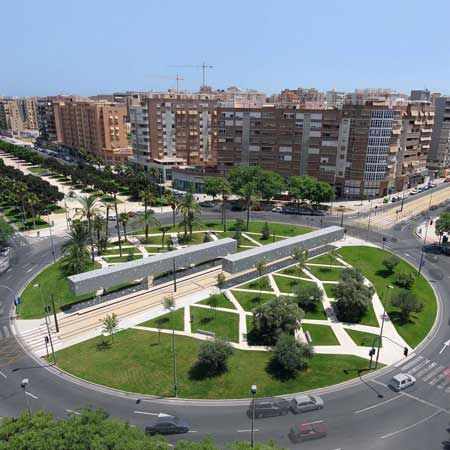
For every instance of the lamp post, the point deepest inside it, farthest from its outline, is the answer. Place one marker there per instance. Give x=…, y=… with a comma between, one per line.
x=23, y=385
x=45, y=308
x=342, y=208
x=389, y=286
x=175, y=389
x=425, y=235
x=174, y=271
x=50, y=224
x=253, y=389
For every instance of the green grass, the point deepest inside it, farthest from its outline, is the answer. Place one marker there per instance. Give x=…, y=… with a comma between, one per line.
x=51, y=280
x=224, y=324
x=115, y=250
x=257, y=237
x=321, y=334
x=329, y=289
x=324, y=259
x=258, y=284
x=38, y=170
x=315, y=311
x=15, y=216
x=369, y=317
x=325, y=273
x=137, y=363
x=155, y=240
x=369, y=260
x=56, y=209
x=156, y=249
x=123, y=258
x=363, y=339
x=165, y=321
x=197, y=238
x=250, y=300
x=222, y=302
x=288, y=285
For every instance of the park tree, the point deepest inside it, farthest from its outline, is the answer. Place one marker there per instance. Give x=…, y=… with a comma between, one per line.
x=408, y=303
x=213, y=186
x=269, y=184
x=275, y=317
x=249, y=195
x=190, y=210
x=307, y=296
x=265, y=232
x=299, y=188
x=110, y=325
x=300, y=256
x=442, y=225
x=352, y=296
x=406, y=280
x=75, y=250
x=321, y=192
x=390, y=263
x=172, y=201
x=6, y=230
x=89, y=429
x=260, y=267
x=149, y=220
x=124, y=219
x=220, y=281
x=290, y=355
x=213, y=355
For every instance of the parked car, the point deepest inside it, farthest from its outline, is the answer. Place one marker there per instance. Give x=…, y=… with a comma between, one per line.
x=308, y=431
x=132, y=214
x=112, y=218
x=278, y=209
x=306, y=403
x=395, y=198
x=402, y=381
x=167, y=424
x=207, y=204
x=269, y=407
x=447, y=180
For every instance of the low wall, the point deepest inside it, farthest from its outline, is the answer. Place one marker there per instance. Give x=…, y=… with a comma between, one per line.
x=246, y=260
x=152, y=266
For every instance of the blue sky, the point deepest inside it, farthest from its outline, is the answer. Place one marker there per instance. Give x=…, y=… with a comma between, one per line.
x=95, y=46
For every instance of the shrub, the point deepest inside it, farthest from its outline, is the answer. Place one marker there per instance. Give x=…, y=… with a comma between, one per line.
x=265, y=232
x=290, y=355
x=406, y=280
x=390, y=263
x=213, y=356
x=408, y=303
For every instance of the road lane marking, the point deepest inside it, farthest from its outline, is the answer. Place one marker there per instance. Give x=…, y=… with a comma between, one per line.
x=419, y=366
x=437, y=378
x=378, y=404
x=146, y=413
x=432, y=374
x=411, y=363
x=426, y=369
x=410, y=426
x=192, y=431
x=2, y=374
x=247, y=431
x=71, y=411
x=31, y=395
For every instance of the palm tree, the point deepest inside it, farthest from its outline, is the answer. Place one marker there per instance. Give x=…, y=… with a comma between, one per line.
x=220, y=281
x=147, y=197
x=74, y=260
x=300, y=256
x=97, y=224
x=149, y=220
x=190, y=210
x=123, y=219
x=107, y=205
x=248, y=193
x=32, y=200
x=260, y=266
x=78, y=237
x=173, y=203
x=164, y=229
x=90, y=207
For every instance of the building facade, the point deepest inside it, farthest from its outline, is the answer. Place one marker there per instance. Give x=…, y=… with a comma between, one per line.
x=439, y=155
x=97, y=127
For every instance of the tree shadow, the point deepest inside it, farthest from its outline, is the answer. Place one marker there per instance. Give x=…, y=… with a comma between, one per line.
x=399, y=319
x=205, y=320
x=200, y=372
x=103, y=344
x=277, y=372
x=384, y=273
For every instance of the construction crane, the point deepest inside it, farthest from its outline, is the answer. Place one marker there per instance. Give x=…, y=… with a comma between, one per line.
x=203, y=66
x=163, y=77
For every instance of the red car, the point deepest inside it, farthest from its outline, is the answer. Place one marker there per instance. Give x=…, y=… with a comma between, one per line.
x=308, y=431
x=447, y=180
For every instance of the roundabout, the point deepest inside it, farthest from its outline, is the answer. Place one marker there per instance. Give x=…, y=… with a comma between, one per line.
x=351, y=409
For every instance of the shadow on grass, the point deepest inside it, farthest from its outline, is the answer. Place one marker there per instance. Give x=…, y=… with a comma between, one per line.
x=206, y=320
x=200, y=371
x=103, y=344
x=384, y=273
x=277, y=372
x=398, y=319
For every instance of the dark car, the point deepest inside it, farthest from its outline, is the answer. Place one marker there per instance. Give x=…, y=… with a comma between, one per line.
x=207, y=204
x=167, y=425
x=269, y=407
x=308, y=431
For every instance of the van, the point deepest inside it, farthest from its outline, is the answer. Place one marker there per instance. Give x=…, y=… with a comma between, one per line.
x=402, y=381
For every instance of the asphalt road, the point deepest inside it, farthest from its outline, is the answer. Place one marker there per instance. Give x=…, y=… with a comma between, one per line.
x=356, y=415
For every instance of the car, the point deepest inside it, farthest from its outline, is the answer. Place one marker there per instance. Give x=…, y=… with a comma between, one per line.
x=306, y=403
x=167, y=424
x=395, y=198
x=269, y=407
x=278, y=209
x=431, y=185
x=206, y=204
x=402, y=381
x=131, y=214
x=447, y=180
x=308, y=431
x=414, y=192
x=112, y=218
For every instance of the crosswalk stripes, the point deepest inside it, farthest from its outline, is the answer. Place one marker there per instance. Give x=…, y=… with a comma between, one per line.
x=445, y=383
x=432, y=374
x=427, y=368
x=419, y=366
x=437, y=378
x=411, y=363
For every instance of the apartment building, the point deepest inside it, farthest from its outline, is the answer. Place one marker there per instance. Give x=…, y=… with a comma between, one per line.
x=14, y=114
x=239, y=98
x=334, y=99
x=415, y=141
x=171, y=129
x=309, y=98
x=98, y=127
x=288, y=140
x=439, y=155
x=46, y=122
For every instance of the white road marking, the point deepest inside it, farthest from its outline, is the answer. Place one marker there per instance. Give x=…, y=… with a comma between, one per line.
x=192, y=431
x=31, y=395
x=146, y=413
x=436, y=379
x=2, y=374
x=411, y=363
x=419, y=366
x=378, y=404
x=247, y=431
x=445, y=345
x=410, y=426
x=426, y=369
x=73, y=412
x=29, y=270
x=432, y=374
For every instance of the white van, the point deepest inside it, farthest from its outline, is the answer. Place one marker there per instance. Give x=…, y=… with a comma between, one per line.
x=402, y=381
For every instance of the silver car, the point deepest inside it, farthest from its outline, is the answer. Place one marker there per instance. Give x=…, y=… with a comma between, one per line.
x=306, y=403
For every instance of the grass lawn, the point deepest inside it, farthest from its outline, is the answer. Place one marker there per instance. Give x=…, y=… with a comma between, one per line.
x=224, y=324
x=250, y=300
x=124, y=258
x=222, y=302
x=324, y=259
x=115, y=250
x=257, y=237
x=15, y=216
x=38, y=170
x=155, y=240
x=329, y=289
x=369, y=317
x=156, y=249
x=165, y=321
x=51, y=280
x=197, y=238
x=55, y=209
x=258, y=284
x=362, y=338
x=315, y=311
x=369, y=260
x=137, y=363
x=321, y=334
x=325, y=273
x=288, y=285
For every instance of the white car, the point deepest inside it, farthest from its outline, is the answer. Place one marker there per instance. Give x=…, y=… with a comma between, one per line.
x=278, y=209
x=402, y=381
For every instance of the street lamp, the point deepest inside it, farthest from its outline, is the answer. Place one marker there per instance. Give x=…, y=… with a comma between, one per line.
x=50, y=224
x=46, y=321
x=389, y=286
x=23, y=385
x=342, y=209
x=175, y=389
x=174, y=270
x=253, y=389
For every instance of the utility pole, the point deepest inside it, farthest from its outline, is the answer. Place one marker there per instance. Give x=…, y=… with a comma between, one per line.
x=382, y=325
